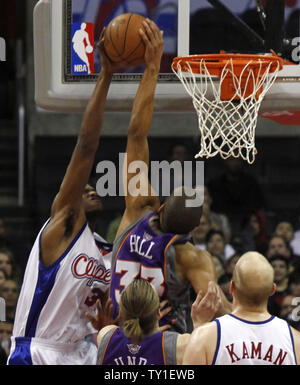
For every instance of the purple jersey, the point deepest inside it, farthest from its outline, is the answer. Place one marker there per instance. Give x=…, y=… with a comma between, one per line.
x=141, y=252
x=157, y=349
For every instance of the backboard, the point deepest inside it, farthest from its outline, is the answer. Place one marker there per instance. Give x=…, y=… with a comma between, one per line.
x=64, y=81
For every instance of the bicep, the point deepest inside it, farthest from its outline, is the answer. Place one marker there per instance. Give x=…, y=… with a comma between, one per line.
x=200, y=270
x=199, y=276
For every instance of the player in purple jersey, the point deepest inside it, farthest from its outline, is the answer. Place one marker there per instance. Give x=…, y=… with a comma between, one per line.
x=151, y=242
x=138, y=341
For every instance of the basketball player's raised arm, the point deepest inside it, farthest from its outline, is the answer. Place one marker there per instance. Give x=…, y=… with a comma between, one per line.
x=141, y=118
x=67, y=212
x=80, y=166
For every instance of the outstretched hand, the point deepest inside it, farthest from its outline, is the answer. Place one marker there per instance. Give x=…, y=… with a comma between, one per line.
x=104, y=316
x=153, y=39
x=163, y=311
x=205, y=308
x=107, y=65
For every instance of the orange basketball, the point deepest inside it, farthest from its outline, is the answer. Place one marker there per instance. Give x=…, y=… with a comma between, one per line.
x=123, y=43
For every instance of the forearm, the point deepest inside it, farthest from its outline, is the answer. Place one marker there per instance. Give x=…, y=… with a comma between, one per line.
x=142, y=111
x=93, y=116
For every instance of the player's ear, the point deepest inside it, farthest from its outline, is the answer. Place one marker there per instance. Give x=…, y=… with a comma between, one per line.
x=231, y=288
x=158, y=314
x=273, y=289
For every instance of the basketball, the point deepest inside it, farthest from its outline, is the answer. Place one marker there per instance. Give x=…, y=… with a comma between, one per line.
x=89, y=49
x=123, y=43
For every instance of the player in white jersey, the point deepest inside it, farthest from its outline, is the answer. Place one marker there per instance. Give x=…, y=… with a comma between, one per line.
x=249, y=335
x=69, y=266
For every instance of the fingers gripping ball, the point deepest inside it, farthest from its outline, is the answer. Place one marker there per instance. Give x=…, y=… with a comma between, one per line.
x=123, y=43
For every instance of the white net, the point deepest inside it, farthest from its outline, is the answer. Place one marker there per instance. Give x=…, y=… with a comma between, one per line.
x=227, y=127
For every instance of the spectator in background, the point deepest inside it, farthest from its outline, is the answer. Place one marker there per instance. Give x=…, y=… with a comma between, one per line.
x=10, y=293
x=200, y=232
x=294, y=283
x=254, y=233
x=3, y=233
x=235, y=193
x=18, y=249
x=216, y=245
x=285, y=230
x=218, y=221
x=9, y=265
x=295, y=243
x=224, y=283
x=6, y=329
x=231, y=262
x=6, y=262
x=278, y=245
x=281, y=268
x=289, y=312
x=178, y=151
x=3, y=277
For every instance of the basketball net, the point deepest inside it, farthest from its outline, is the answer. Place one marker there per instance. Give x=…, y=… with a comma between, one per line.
x=227, y=121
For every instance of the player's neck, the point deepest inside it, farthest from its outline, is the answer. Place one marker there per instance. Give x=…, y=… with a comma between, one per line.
x=154, y=224
x=249, y=313
x=92, y=225
x=92, y=220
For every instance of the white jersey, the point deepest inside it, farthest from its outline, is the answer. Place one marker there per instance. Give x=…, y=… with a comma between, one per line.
x=242, y=342
x=53, y=301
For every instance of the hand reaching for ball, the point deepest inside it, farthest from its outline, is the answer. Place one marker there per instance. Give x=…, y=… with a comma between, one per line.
x=107, y=65
x=153, y=39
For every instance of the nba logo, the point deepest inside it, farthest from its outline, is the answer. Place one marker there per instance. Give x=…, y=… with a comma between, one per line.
x=82, y=48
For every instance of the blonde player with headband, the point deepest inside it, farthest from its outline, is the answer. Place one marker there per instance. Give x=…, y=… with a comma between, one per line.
x=138, y=340
x=249, y=335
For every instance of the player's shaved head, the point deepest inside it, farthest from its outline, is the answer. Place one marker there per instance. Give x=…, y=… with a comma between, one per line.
x=177, y=217
x=253, y=279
